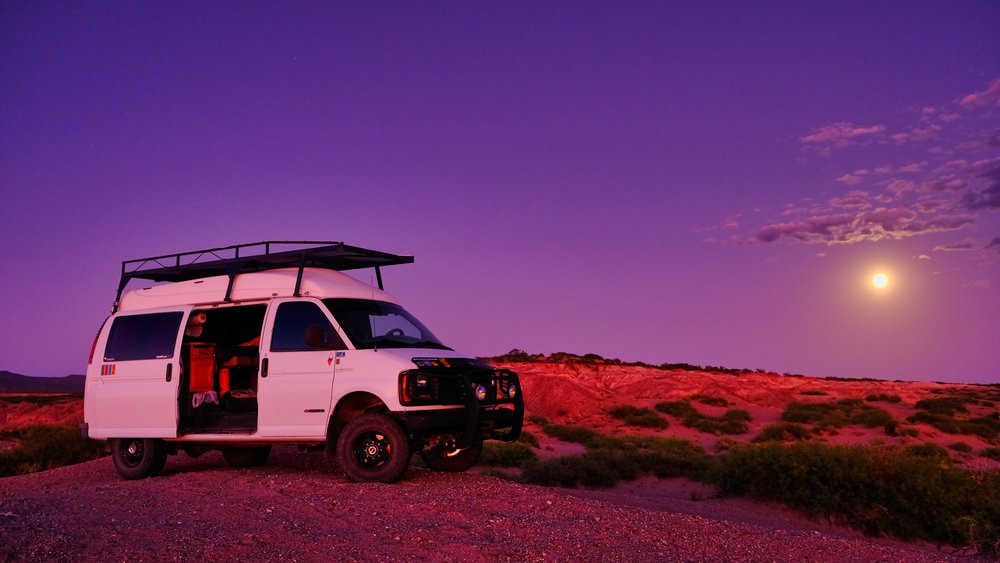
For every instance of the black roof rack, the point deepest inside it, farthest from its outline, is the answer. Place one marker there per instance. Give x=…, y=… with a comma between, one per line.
x=255, y=257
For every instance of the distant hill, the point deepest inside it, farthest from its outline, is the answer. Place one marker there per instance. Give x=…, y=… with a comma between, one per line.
x=16, y=383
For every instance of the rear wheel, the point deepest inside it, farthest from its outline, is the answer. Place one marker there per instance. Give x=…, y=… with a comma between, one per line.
x=452, y=461
x=246, y=457
x=135, y=458
x=373, y=447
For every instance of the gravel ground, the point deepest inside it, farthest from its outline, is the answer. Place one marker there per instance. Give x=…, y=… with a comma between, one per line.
x=299, y=507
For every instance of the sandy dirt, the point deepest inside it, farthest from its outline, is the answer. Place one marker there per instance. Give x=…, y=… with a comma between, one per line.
x=300, y=507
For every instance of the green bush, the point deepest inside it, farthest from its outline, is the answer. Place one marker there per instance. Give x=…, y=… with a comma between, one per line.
x=636, y=416
x=610, y=459
x=45, y=446
x=570, y=433
x=947, y=406
x=838, y=414
x=528, y=438
x=960, y=447
x=500, y=454
x=987, y=427
x=733, y=421
x=783, y=432
x=885, y=398
x=679, y=409
x=710, y=400
x=909, y=493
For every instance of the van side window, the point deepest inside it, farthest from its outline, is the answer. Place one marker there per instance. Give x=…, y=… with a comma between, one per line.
x=302, y=325
x=143, y=337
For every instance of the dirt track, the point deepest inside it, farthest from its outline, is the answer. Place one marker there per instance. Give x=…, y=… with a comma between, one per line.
x=299, y=507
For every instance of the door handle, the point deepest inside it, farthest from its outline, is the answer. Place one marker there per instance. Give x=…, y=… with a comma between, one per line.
x=263, y=367
x=170, y=372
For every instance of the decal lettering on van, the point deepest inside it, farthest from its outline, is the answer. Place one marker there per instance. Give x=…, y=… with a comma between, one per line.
x=107, y=369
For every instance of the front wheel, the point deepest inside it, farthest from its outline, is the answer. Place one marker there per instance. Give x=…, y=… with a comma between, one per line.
x=135, y=458
x=452, y=461
x=373, y=447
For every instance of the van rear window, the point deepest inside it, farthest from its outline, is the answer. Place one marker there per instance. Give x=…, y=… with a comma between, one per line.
x=143, y=337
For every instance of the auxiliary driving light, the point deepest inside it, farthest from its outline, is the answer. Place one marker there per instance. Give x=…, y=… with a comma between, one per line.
x=480, y=391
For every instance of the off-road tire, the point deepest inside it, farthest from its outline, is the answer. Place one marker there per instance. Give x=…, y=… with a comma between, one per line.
x=252, y=456
x=440, y=459
x=135, y=458
x=373, y=448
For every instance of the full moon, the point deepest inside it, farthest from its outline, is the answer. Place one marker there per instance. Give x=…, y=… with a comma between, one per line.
x=880, y=280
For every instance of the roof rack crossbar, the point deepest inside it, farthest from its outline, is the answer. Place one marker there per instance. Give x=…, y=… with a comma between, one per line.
x=241, y=258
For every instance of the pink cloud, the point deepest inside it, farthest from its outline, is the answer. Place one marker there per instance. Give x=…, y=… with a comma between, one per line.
x=899, y=187
x=917, y=134
x=841, y=133
x=989, y=96
x=846, y=228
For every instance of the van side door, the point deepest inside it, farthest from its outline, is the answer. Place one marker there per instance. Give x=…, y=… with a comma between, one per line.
x=297, y=369
x=132, y=386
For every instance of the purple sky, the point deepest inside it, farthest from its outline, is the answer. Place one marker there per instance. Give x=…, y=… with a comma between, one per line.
x=710, y=183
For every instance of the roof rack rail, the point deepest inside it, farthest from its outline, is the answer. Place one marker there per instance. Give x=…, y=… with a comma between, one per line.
x=255, y=257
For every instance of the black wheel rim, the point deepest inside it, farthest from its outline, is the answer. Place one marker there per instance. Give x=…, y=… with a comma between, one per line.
x=132, y=452
x=372, y=450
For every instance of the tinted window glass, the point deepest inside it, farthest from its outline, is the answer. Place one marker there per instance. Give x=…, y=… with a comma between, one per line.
x=301, y=325
x=378, y=324
x=143, y=337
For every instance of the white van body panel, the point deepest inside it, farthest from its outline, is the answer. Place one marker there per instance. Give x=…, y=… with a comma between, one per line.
x=133, y=397
x=250, y=287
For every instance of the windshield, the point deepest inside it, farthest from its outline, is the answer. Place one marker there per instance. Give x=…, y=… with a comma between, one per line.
x=377, y=324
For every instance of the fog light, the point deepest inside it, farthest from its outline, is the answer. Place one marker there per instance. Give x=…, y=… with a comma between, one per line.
x=511, y=390
x=480, y=391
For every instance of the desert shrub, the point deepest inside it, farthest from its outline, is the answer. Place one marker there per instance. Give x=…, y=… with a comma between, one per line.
x=873, y=417
x=960, y=447
x=947, y=406
x=44, y=446
x=908, y=431
x=570, y=433
x=816, y=392
x=783, y=432
x=500, y=454
x=679, y=409
x=990, y=453
x=884, y=397
x=569, y=471
x=638, y=416
x=42, y=399
x=528, y=438
x=818, y=414
x=987, y=427
x=610, y=459
x=710, y=400
x=838, y=415
x=733, y=421
x=908, y=493
x=537, y=419
x=929, y=450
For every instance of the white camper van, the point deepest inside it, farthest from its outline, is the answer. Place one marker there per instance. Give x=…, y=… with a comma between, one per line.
x=243, y=347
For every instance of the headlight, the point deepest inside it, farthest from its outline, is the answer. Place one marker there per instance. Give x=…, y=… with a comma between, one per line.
x=507, y=389
x=511, y=390
x=480, y=391
x=421, y=381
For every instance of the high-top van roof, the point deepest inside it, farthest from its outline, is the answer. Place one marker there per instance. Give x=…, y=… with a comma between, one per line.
x=240, y=272
x=315, y=282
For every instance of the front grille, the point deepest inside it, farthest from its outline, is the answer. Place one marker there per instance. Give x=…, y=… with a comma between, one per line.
x=453, y=387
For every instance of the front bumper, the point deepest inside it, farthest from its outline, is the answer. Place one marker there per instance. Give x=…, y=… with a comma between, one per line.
x=497, y=416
